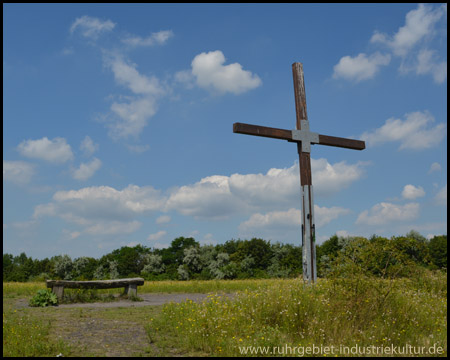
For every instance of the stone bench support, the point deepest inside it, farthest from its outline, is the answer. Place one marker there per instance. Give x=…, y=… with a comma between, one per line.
x=130, y=285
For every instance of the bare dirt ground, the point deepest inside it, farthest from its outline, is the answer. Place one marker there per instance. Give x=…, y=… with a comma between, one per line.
x=113, y=329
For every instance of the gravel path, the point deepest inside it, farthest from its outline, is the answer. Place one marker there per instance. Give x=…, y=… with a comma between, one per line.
x=148, y=300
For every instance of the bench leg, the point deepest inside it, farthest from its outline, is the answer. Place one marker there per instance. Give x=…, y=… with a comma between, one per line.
x=59, y=291
x=131, y=290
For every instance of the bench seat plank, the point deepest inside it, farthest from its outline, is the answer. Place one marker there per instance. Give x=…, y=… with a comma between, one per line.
x=95, y=284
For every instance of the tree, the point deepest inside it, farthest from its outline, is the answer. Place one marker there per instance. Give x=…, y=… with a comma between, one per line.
x=129, y=260
x=63, y=266
x=259, y=249
x=217, y=266
x=438, y=251
x=192, y=259
x=175, y=253
x=153, y=264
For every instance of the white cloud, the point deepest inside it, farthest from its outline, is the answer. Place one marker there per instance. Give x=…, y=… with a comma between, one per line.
x=163, y=219
x=85, y=171
x=329, y=179
x=88, y=147
x=185, y=77
x=113, y=227
x=211, y=74
x=127, y=75
x=44, y=210
x=55, y=151
x=91, y=27
x=19, y=172
x=412, y=192
x=419, y=25
x=289, y=220
x=384, y=213
x=208, y=198
x=413, y=133
x=324, y=215
x=428, y=63
x=103, y=210
x=130, y=118
x=159, y=38
x=435, y=167
x=361, y=67
x=441, y=196
x=157, y=236
x=139, y=149
x=221, y=196
x=107, y=202
x=412, y=41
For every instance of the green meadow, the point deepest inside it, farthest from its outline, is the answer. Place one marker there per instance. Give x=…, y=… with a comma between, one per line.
x=267, y=317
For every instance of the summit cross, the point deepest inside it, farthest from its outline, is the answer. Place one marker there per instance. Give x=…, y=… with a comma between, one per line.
x=304, y=138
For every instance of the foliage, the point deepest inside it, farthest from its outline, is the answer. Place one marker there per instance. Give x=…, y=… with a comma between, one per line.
x=360, y=309
x=44, y=298
x=186, y=259
x=28, y=335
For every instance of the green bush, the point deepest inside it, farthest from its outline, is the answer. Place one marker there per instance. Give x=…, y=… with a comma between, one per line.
x=44, y=297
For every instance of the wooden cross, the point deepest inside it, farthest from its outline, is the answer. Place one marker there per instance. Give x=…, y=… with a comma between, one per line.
x=304, y=138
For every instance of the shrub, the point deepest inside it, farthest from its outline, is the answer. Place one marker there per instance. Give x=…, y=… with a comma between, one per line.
x=44, y=297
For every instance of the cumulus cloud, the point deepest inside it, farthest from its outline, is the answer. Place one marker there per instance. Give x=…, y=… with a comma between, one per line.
x=103, y=210
x=157, y=236
x=91, y=27
x=85, y=171
x=19, y=172
x=412, y=43
x=428, y=62
x=289, y=220
x=91, y=205
x=163, y=219
x=292, y=218
x=415, y=132
x=413, y=40
x=126, y=75
x=412, y=192
x=210, y=73
x=88, y=147
x=419, y=24
x=384, y=213
x=435, y=167
x=55, y=151
x=221, y=196
x=208, y=198
x=130, y=118
x=361, y=67
x=113, y=227
x=157, y=38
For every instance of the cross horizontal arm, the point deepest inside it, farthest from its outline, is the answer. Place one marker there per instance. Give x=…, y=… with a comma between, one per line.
x=283, y=134
x=264, y=131
x=342, y=142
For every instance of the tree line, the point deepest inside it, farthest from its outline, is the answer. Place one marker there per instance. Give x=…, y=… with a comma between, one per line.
x=186, y=259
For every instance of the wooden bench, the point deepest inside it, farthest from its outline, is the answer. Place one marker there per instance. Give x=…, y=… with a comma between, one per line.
x=130, y=285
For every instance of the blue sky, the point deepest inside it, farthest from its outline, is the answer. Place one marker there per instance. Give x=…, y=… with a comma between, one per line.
x=117, y=122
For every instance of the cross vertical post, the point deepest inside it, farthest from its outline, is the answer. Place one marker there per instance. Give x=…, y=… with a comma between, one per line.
x=304, y=139
x=308, y=225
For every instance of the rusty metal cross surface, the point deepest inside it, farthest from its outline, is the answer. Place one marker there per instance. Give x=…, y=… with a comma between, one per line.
x=304, y=138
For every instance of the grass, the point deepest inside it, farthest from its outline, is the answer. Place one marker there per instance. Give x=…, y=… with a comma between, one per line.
x=264, y=314
x=26, y=335
x=361, y=312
